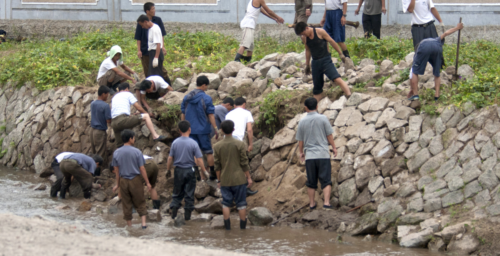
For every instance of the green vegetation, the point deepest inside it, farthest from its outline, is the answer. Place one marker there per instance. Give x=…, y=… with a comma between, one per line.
x=50, y=63
x=171, y=113
x=270, y=115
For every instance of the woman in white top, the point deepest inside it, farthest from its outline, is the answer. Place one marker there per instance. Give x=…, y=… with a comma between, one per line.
x=109, y=73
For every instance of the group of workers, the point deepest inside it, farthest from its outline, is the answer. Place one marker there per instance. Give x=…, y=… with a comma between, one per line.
x=200, y=120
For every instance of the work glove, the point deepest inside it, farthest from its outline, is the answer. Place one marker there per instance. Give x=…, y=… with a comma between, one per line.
x=155, y=62
x=308, y=70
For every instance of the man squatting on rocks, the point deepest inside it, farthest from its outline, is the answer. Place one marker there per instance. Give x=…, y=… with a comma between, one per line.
x=316, y=43
x=155, y=46
x=233, y=173
x=243, y=120
x=100, y=114
x=141, y=35
x=82, y=167
x=128, y=163
x=121, y=118
x=430, y=50
x=110, y=75
x=333, y=22
x=221, y=111
x=372, y=16
x=198, y=109
x=314, y=133
x=185, y=154
x=154, y=88
x=422, y=19
x=254, y=8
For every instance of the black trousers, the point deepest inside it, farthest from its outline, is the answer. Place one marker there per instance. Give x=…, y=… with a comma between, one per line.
x=158, y=71
x=56, y=187
x=419, y=33
x=184, y=187
x=372, y=24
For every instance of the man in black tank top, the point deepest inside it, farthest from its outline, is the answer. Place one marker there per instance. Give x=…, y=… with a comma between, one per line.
x=316, y=42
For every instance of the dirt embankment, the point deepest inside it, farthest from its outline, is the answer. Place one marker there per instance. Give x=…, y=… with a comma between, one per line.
x=23, y=236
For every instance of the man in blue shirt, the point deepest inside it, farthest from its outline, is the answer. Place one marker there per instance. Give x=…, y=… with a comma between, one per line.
x=81, y=167
x=197, y=108
x=141, y=35
x=128, y=163
x=429, y=50
x=100, y=114
x=183, y=153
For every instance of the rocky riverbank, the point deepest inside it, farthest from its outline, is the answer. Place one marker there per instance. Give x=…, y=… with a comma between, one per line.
x=434, y=179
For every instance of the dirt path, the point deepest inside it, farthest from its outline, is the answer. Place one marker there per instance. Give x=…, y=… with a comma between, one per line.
x=24, y=236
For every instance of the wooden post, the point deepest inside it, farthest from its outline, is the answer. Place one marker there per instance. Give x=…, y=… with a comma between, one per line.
x=458, y=51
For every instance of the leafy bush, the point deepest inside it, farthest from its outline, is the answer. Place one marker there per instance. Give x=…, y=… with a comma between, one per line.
x=270, y=110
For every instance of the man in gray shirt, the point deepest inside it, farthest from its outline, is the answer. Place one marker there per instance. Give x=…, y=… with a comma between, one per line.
x=81, y=167
x=183, y=152
x=314, y=134
x=128, y=163
x=221, y=111
x=372, y=16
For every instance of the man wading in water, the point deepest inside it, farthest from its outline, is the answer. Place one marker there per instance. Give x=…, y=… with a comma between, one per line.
x=316, y=42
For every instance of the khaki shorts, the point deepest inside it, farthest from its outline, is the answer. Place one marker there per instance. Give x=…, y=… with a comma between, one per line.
x=111, y=75
x=123, y=122
x=247, y=38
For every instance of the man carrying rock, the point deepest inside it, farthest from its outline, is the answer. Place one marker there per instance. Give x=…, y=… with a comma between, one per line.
x=254, y=8
x=314, y=133
x=152, y=173
x=141, y=35
x=423, y=13
x=121, y=118
x=82, y=168
x=333, y=22
x=243, y=120
x=316, y=43
x=100, y=114
x=109, y=75
x=198, y=109
x=155, y=46
x=154, y=88
x=128, y=163
x=372, y=16
x=221, y=111
x=233, y=173
x=185, y=154
x=429, y=50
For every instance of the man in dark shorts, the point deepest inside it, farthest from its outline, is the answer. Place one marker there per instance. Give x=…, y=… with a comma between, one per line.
x=430, y=50
x=372, y=16
x=198, y=109
x=141, y=35
x=314, y=133
x=183, y=153
x=121, y=118
x=128, y=163
x=333, y=22
x=152, y=172
x=233, y=172
x=422, y=19
x=82, y=168
x=316, y=42
x=100, y=114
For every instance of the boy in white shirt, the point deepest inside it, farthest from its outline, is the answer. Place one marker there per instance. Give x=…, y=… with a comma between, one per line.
x=121, y=118
x=155, y=45
x=243, y=120
x=109, y=73
x=423, y=13
x=153, y=87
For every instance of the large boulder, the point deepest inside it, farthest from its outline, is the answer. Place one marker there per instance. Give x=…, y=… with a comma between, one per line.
x=284, y=137
x=347, y=192
x=209, y=205
x=260, y=216
x=231, y=69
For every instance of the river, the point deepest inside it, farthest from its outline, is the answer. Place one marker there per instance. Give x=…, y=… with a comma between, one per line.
x=18, y=197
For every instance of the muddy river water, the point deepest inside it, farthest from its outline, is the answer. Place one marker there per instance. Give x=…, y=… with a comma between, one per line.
x=18, y=197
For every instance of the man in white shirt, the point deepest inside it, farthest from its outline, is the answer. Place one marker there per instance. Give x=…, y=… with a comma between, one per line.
x=333, y=22
x=155, y=45
x=243, y=120
x=254, y=8
x=422, y=19
x=109, y=73
x=121, y=118
x=153, y=87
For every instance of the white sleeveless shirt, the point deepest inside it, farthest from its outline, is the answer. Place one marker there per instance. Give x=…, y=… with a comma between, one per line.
x=251, y=16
